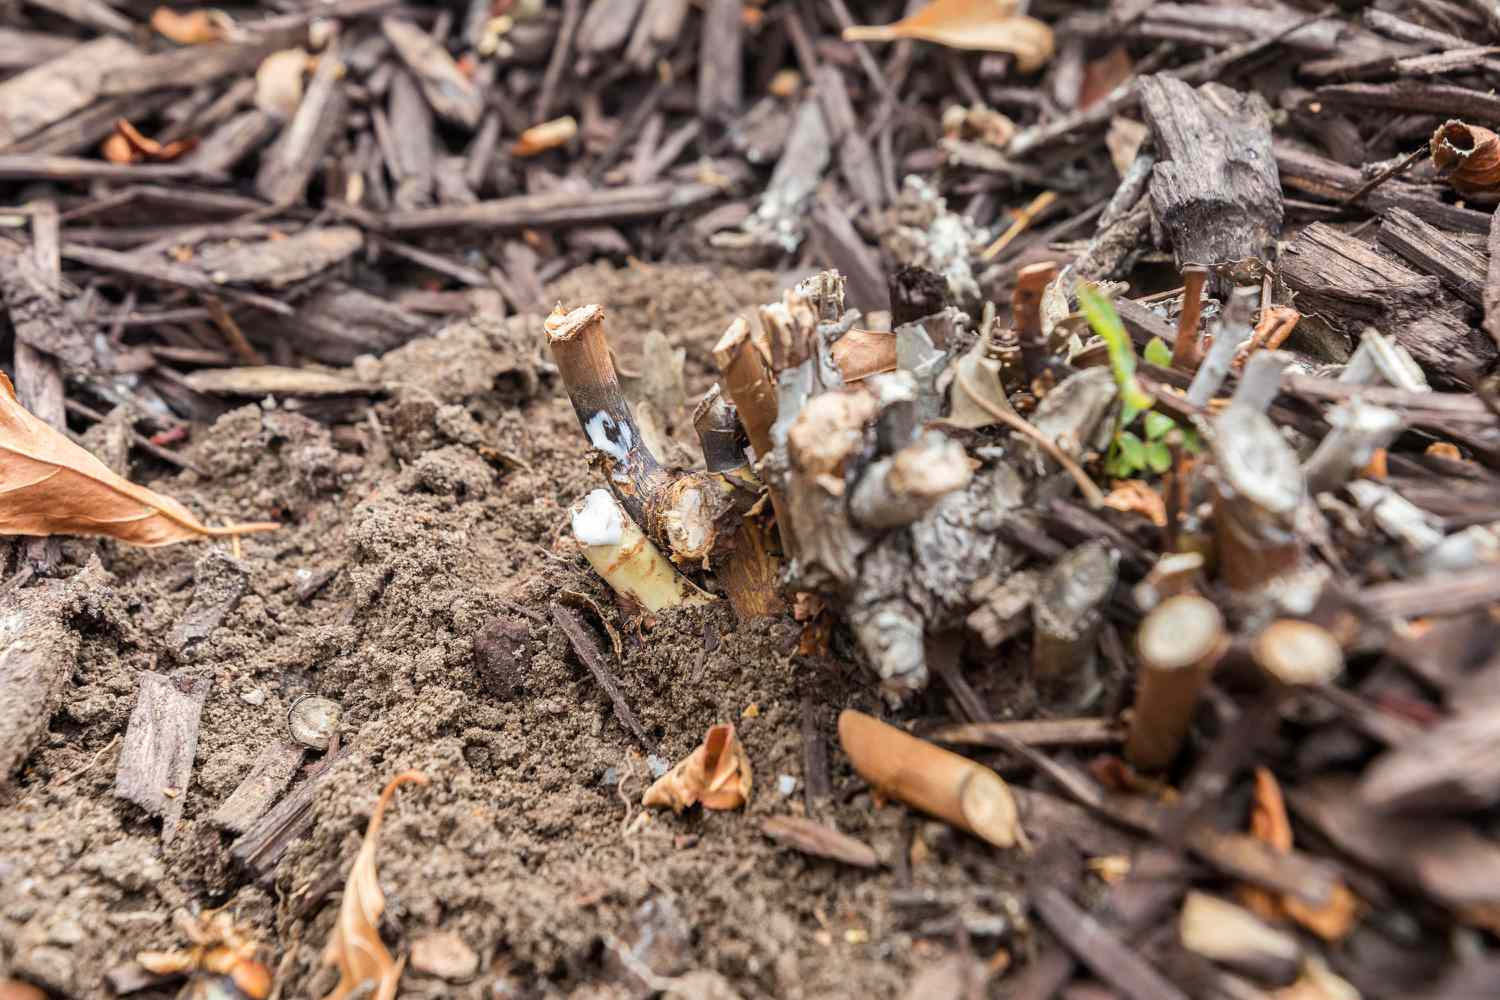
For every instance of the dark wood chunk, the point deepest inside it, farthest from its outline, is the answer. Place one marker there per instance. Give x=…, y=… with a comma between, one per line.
x=817, y=786
x=606, y=26
x=1215, y=188
x=269, y=837
x=1407, y=96
x=1101, y=950
x=37, y=657
x=811, y=837
x=156, y=758
x=1323, y=178
x=412, y=155
x=166, y=273
x=1429, y=249
x=190, y=65
x=223, y=149
x=36, y=311
x=279, y=263
x=1491, y=294
x=1448, y=860
x=451, y=94
x=83, y=131
x=720, y=84
x=219, y=581
x=48, y=93
x=1454, y=765
x=916, y=293
x=339, y=322
x=274, y=768
x=856, y=157
x=288, y=165
x=502, y=656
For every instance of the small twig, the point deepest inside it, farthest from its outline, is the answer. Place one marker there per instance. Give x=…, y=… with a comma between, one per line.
x=1383, y=176
x=1092, y=493
x=588, y=651
x=92, y=761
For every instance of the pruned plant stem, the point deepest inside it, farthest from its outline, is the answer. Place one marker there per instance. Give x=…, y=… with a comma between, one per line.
x=1233, y=330
x=1378, y=359
x=1359, y=430
x=679, y=511
x=747, y=380
x=1258, y=491
x=900, y=488
x=1178, y=645
x=719, y=434
x=1086, y=486
x=1261, y=380
x=1067, y=614
x=621, y=553
x=1185, y=349
x=1297, y=654
x=1026, y=306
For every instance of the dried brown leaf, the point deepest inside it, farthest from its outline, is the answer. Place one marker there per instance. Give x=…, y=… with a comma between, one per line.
x=195, y=27
x=547, y=135
x=130, y=145
x=355, y=947
x=862, y=353
x=1469, y=156
x=51, y=486
x=717, y=774
x=986, y=25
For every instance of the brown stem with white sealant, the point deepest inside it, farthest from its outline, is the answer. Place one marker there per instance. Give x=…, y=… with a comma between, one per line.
x=679, y=511
x=1178, y=644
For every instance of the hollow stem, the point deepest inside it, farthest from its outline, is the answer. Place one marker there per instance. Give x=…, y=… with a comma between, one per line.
x=627, y=560
x=1066, y=615
x=1233, y=330
x=1185, y=349
x=1257, y=494
x=1178, y=645
x=1297, y=653
x=1026, y=315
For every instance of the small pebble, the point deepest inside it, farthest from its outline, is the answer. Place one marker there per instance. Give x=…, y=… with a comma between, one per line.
x=658, y=766
x=313, y=721
x=611, y=777
x=786, y=784
x=253, y=696
x=444, y=954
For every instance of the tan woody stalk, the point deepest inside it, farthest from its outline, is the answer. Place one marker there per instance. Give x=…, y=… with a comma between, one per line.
x=1178, y=645
x=679, y=511
x=621, y=553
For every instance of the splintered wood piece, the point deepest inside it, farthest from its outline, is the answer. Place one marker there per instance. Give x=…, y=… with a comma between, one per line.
x=288, y=165
x=1233, y=936
x=219, y=581
x=555, y=208
x=586, y=647
x=1447, y=860
x=190, y=66
x=279, y=263
x=274, y=768
x=1432, y=250
x=720, y=71
x=939, y=782
x=156, y=758
x=811, y=837
x=37, y=656
x=1098, y=947
x=1259, y=490
x=451, y=93
x=747, y=379
x=1215, y=187
x=1311, y=174
x=166, y=273
x=267, y=839
x=263, y=380
x=339, y=322
x=48, y=93
x=1450, y=766
x=1067, y=614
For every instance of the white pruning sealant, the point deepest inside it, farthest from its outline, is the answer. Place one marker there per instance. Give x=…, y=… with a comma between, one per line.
x=598, y=521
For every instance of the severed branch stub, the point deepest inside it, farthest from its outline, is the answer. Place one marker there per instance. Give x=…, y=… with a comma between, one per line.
x=680, y=511
x=1067, y=614
x=1026, y=305
x=1178, y=645
x=1185, y=348
x=1258, y=490
x=621, y=553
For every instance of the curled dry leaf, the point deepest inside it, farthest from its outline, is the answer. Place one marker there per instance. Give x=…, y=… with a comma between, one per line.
x=355, y=947
x=194, y=27
x=219, y=948
x=939, y=782
x=716, y=774
x=51, y=486
x=862, y=353
x=986, y=25
x=1331, y=921
x=1135, y=496
x=127, y=144
x=1469, y=156
x=547, y=135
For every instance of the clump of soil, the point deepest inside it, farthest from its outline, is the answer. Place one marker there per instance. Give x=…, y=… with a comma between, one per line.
x=440, y=515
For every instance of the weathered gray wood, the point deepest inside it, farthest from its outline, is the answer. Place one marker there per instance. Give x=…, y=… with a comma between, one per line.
x=234, y=140
x=156, y=758
x=268, y=838
x=219, y=581
x=1452, y=765
x=48, y=93
x=36, y=312
x=37, y=655
x=856, y=157
x=451, y=94
x=279, y=263
x=720, y=84
x=411, y=160
x=269, y=776
x=1429, y=249
x=339, y=322
x=1215, y=188
x=1492, y=282
x=558, y=208
x=189, y=65
x=288, y=165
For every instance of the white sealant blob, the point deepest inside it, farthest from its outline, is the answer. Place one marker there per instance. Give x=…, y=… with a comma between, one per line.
x=597, y=521
x=603, y=430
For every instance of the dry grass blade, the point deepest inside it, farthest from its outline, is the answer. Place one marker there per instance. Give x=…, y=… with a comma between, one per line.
x=51, y=486
x=987, y=25
x=355, y=947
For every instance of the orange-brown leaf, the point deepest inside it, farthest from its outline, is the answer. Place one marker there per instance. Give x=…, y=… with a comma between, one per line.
x=1269, y=824
x=716, y=774
x=986, y=25
x=196, y=27
x=355, y=947
x=51, y=486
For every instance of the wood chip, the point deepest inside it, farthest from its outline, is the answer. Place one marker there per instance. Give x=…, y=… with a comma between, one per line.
x=156, y=760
